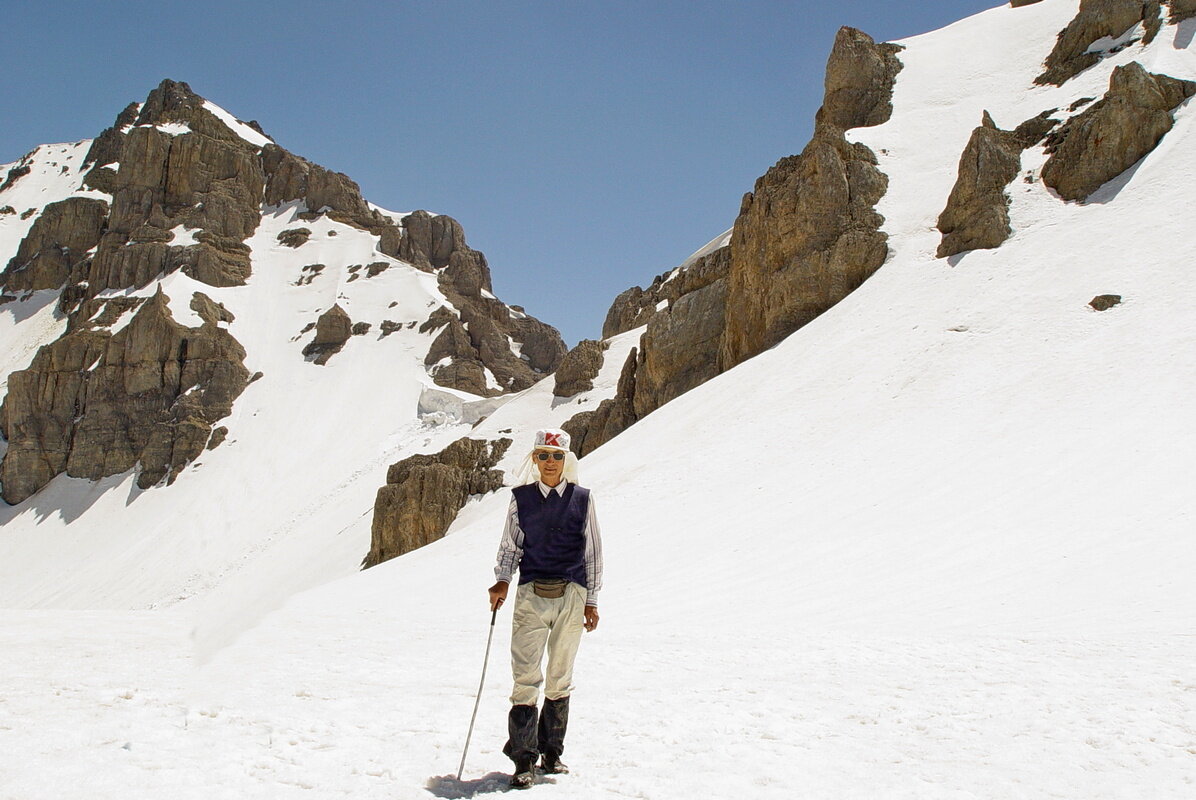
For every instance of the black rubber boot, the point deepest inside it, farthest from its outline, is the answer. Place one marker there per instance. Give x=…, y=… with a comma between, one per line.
x=521, y=742
x=554, y=719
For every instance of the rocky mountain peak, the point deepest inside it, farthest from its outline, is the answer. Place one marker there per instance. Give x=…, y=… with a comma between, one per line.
x=179, y=185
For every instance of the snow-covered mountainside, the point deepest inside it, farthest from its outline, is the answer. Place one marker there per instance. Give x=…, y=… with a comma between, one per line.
x=937, y=543
x=213, y=357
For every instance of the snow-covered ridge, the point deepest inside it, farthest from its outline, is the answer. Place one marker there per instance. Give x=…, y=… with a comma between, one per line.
x=236, y=126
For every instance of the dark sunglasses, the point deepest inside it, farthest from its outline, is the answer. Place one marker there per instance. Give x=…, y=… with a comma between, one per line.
x=553, y=456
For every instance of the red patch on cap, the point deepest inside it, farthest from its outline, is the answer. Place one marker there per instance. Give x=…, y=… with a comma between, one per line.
x=552, y=440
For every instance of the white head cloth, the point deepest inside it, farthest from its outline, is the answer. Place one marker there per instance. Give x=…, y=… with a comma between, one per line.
x=547, y=439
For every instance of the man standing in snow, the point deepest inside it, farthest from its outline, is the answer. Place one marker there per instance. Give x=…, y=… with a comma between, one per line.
x=552, y=538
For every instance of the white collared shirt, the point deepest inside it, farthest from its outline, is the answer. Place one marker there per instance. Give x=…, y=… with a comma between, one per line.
x=510, y=549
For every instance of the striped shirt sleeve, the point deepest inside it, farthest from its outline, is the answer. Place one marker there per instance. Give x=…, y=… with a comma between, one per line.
x=510, y=548
x=593, y=556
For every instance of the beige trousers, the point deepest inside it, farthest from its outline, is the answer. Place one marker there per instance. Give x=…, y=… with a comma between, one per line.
x=539, y=622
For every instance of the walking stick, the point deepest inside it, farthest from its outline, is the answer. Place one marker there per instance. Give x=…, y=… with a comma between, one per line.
x=481, y=683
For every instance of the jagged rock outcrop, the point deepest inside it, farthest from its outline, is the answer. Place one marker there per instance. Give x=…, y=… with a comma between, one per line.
x=58, y=244
x=323, y=191
x=590, y=430
x=579, y=368
x=806, y=236
x=1181, y=10
x=94, y=404
x=429, y=241
x=423, y=494
x=680, y=347
x=977, y=212
x=180, y=165
x=809, y=234
x=478, y=338
x=631, y=309
x=1095, y=20
x=636, y=306
x=1110, y=136
x=333, y=329
x=858, y=88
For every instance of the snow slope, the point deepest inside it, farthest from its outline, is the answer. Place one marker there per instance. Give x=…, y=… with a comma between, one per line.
x=937, y=544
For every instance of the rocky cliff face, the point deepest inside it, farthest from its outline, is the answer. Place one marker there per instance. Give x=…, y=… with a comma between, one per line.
x=96, y=403
x=806, y=236
x=977, y=212
x=179, y=185
x=423, y=494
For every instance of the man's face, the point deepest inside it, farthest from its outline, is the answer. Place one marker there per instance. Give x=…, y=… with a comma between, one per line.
x=550, y=467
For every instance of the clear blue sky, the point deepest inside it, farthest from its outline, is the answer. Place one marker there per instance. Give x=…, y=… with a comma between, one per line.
x=584, y=146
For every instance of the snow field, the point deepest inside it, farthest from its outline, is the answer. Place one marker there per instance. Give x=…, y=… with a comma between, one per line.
x=938, y=544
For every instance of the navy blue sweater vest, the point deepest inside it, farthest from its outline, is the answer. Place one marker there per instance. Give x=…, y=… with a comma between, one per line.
x=554, y=543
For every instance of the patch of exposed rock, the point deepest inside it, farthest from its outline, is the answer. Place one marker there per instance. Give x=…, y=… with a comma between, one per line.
x=94, y=404
x=680, y=347
x=14, y=175
x=1114, y=133
x=1020, y=3
x=423, y=494
x=323, y=191
x=636, y=306
x=1181, y=10
x=485, y=334
x=579, y=368
x=1103, y=302
x=294, y=237
x=858, y=88
x=590, y=430
x=333, y=329
x=1096, y=19
x=57, y=246
x=977, y=212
